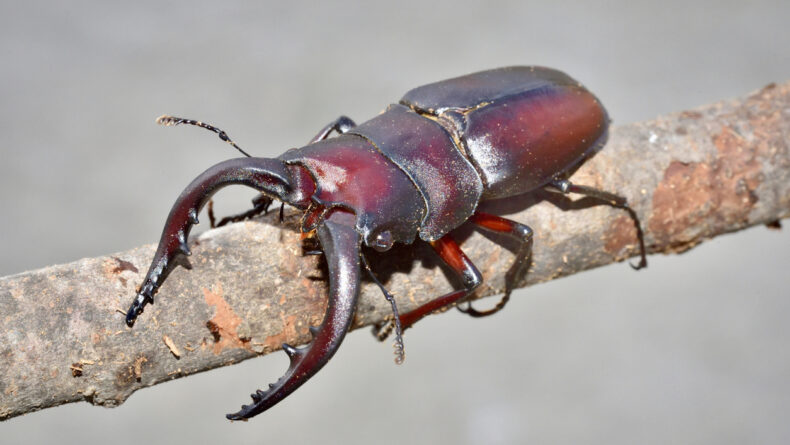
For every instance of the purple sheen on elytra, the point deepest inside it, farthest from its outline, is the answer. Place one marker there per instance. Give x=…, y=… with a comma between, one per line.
x=471, y=90
x=526, y=140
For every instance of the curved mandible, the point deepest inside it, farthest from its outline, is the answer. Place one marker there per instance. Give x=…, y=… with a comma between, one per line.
x=268, y=176
x=340, y=243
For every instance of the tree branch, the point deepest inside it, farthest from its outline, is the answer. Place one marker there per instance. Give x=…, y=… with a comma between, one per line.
x=690, y=176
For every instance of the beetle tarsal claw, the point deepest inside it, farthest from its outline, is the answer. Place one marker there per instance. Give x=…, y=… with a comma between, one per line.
x=398, y=350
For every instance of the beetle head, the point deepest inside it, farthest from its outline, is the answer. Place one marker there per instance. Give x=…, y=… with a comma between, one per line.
x=290, y=184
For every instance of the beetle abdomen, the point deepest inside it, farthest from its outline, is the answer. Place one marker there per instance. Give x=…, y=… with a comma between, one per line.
x=520, y=126
x=425, y=151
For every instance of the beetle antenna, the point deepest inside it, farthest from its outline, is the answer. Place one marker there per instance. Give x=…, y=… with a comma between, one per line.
x=400, y=355
x=169, y=121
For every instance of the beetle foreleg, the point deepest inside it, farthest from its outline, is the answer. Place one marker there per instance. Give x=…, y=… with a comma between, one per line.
x=260, y=204
x=377, y=330
x=452, y=254
x=341, y=125
x=340, y=243
x=522, y=234
x=564, y=186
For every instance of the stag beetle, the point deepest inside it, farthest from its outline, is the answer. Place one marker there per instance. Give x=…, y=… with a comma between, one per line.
x=420, y=168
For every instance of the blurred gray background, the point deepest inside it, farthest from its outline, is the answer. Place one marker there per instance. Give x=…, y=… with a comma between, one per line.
x=692, y=350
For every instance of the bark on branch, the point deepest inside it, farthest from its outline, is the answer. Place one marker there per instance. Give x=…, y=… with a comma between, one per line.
x=690, y=176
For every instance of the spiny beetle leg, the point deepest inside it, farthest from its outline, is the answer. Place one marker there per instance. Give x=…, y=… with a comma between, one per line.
x=380, y=334
x=564, y=186
x=519, y=232
x=340, y=243
x=341, y=125
x=452, y=254
x=260, y=204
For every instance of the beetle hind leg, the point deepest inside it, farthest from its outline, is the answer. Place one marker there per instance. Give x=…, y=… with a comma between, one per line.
x=565, y=187
x=521, y=233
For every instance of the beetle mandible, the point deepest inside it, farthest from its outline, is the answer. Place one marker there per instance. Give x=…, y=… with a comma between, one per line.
x=419, y=169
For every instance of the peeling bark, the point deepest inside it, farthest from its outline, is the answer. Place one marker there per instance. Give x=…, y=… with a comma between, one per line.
x=690, y=176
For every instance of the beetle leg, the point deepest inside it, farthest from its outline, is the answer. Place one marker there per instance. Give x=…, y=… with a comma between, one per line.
x=452, y=254
x=341, y=125
x=521, y=233
x=378, y=331
x=564, y=186
x=258, y=208
x=260, y=204
x=269, y=175
x=340, y=243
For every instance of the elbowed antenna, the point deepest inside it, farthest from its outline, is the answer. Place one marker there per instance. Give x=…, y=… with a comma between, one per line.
x=169, y=121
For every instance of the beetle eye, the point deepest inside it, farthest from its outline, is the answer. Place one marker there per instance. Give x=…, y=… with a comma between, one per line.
x=383, y=241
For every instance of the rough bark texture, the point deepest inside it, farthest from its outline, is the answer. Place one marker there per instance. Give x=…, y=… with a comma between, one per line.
x=690, y=176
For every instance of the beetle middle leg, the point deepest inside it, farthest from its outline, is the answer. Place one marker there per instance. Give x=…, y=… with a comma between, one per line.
x=565, y=187
x=451, y=253
x=342, y=124
x=521, y=233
